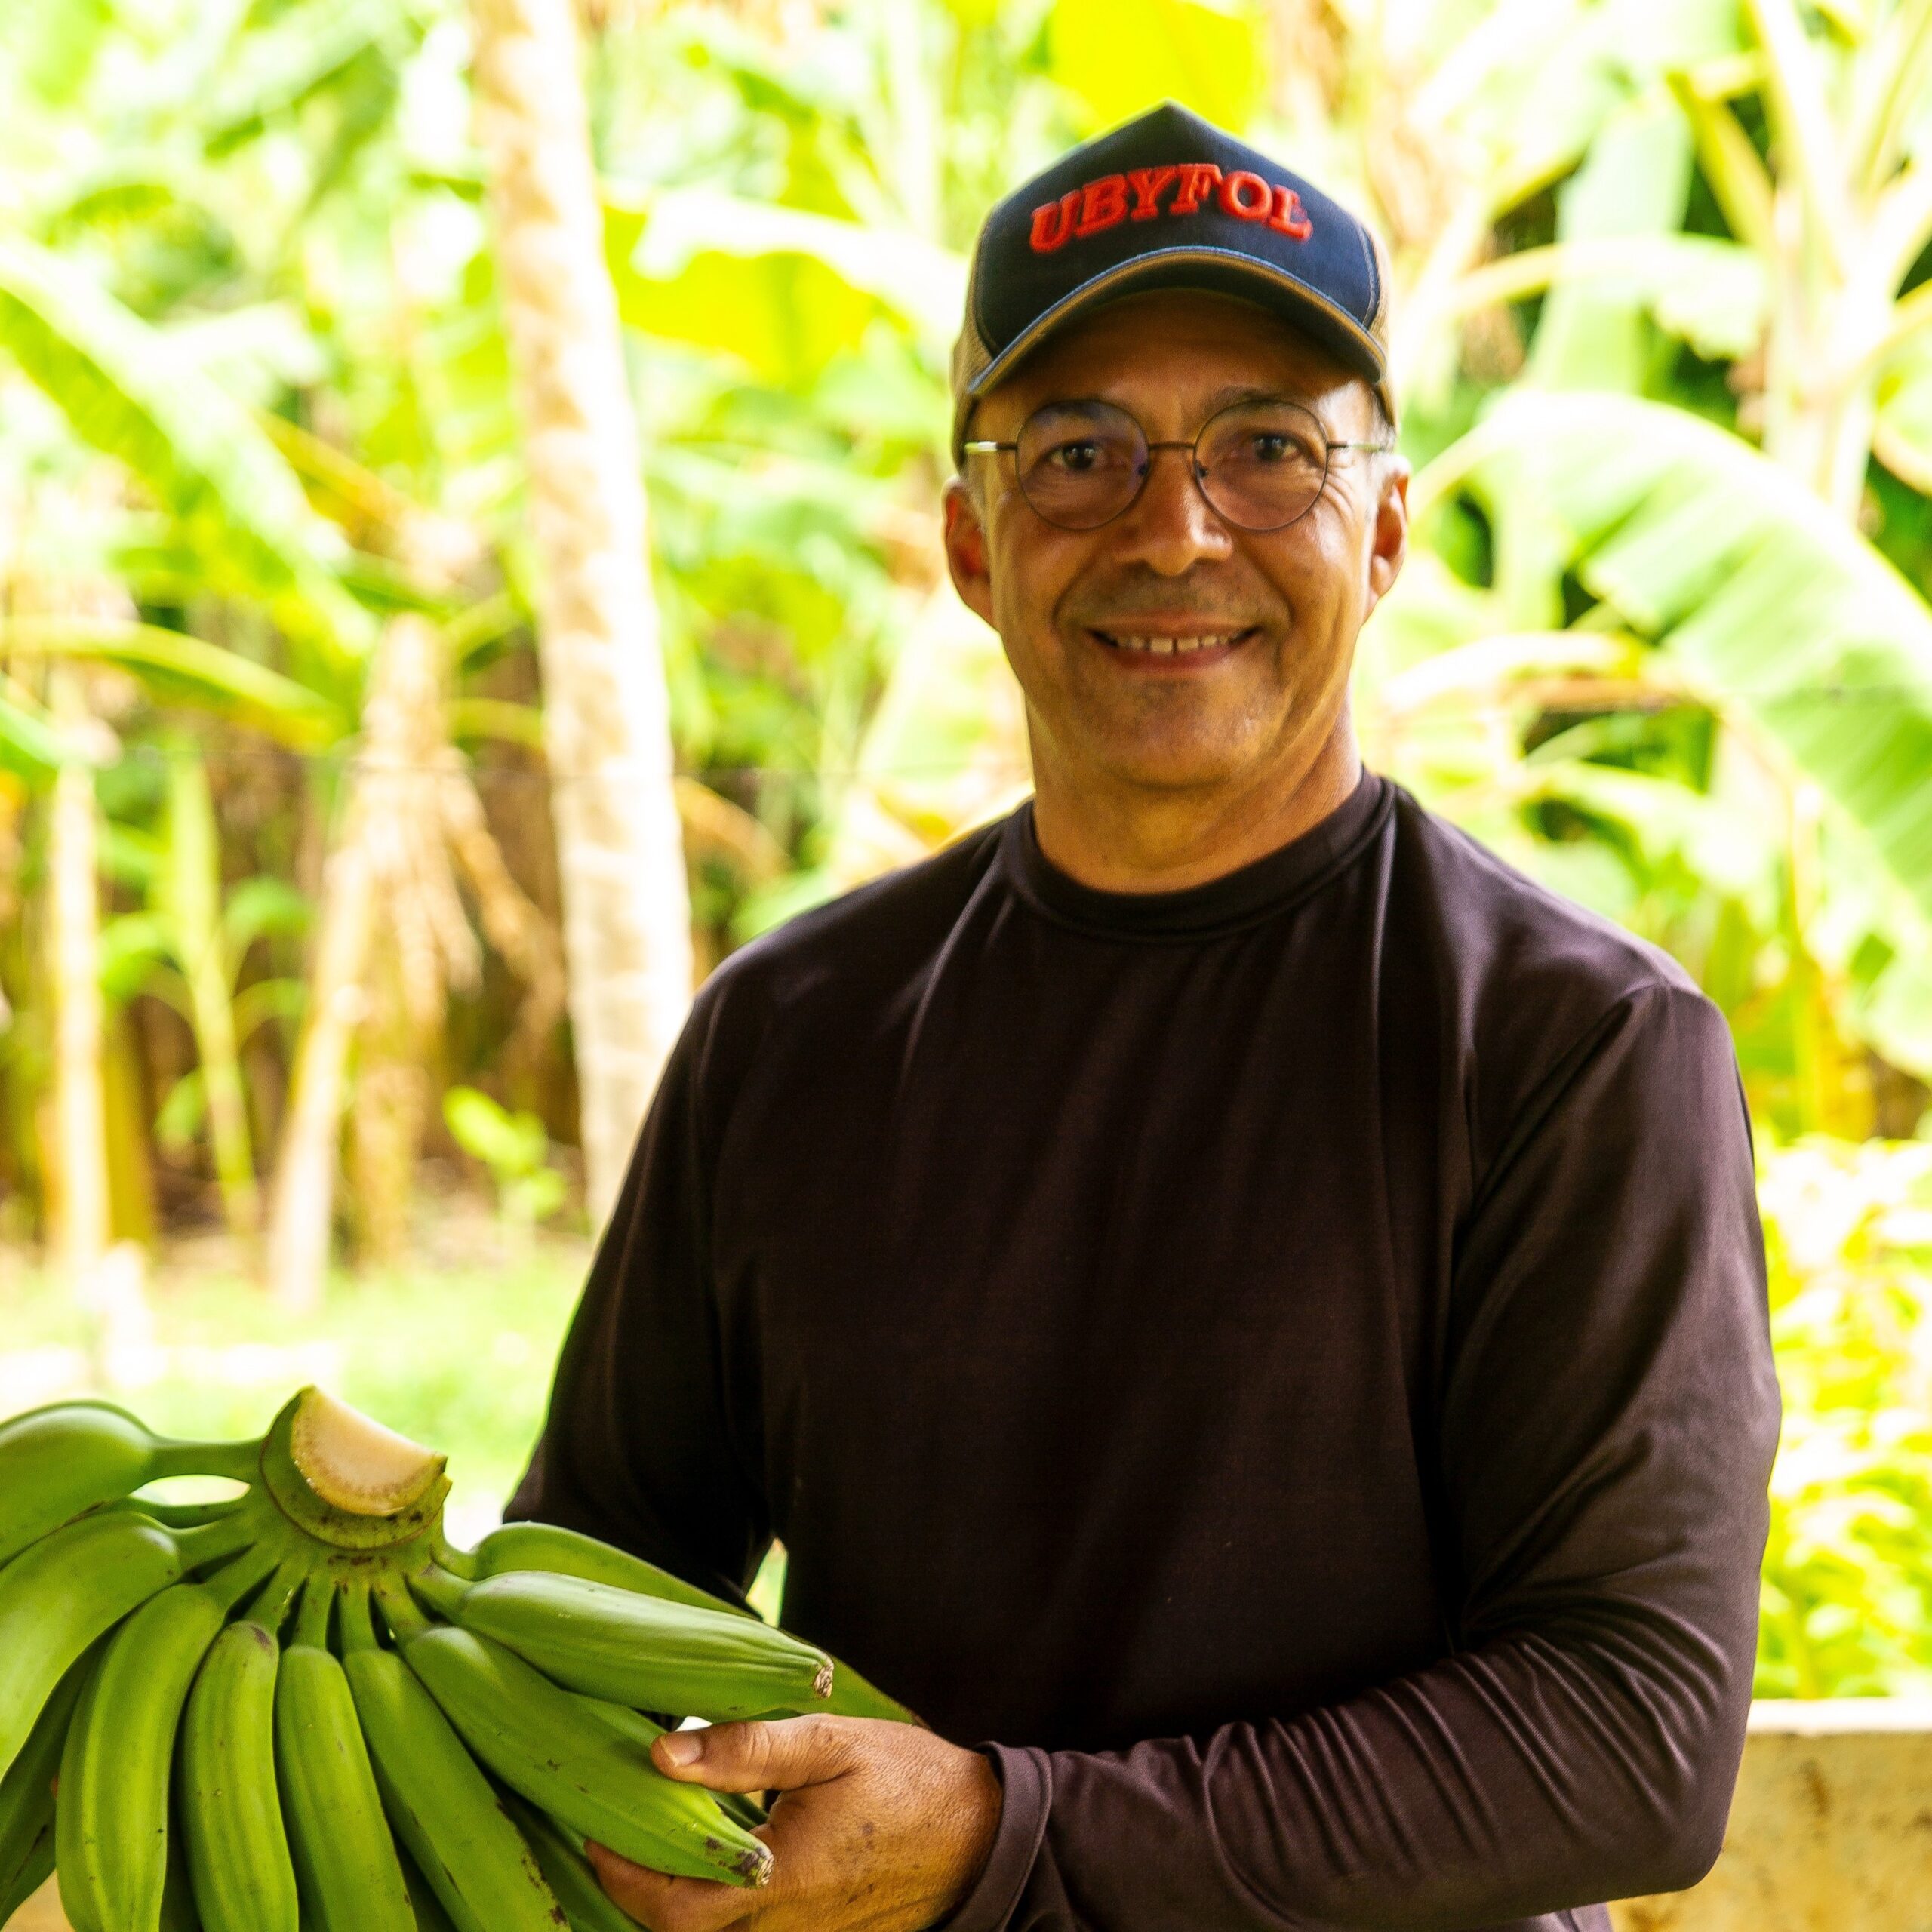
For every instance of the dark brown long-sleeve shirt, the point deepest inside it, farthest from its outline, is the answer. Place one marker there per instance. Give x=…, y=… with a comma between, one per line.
x=1285, y=1362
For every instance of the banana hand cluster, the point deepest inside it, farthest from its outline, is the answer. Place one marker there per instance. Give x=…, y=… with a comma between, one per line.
x=302, y=1711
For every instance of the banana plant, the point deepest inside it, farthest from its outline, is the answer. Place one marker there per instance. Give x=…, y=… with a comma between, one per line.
x=188, y=945
x=1714, y=579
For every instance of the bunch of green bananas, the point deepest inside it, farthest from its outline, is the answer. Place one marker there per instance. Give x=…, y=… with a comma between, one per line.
x=301, y=1710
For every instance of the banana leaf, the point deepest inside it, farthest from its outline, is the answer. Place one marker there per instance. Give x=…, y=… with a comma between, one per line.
x=128, y=392
x=1777, y=612
x=29, y=745
x=174, y=667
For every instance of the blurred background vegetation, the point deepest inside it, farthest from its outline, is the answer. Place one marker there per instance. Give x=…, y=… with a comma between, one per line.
x=294, y=750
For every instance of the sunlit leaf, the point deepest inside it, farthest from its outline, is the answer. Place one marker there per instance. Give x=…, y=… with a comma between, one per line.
x=126, y=390
x=1728, y=562
x=1119, y=58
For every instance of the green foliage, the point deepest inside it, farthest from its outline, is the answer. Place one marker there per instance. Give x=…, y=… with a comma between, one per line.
x=1120, y=56
x=1847, y=1591
x=516, y=1150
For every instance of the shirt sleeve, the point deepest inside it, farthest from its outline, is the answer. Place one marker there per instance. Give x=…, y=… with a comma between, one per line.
x=638, y=1448
x=1606, y=1419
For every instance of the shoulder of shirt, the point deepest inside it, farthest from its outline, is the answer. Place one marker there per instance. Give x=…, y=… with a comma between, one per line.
x=1505, y=928
x=1526, y=985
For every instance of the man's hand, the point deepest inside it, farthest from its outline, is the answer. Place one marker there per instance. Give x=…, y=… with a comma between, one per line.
x=877, y=1828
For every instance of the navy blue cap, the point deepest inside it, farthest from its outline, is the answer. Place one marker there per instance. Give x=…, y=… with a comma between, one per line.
x=1169, y=200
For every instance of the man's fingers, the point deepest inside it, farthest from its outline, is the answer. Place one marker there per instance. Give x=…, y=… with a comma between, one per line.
x=662, y=1904
x=781, y=1756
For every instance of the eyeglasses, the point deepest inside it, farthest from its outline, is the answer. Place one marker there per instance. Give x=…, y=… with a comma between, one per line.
x=1261, y=465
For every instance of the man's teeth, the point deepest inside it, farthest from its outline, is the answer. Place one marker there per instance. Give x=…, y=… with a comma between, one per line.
x=1163, y=646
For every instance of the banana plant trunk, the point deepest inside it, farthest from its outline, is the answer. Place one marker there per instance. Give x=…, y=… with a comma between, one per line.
x=302, y=1207
x=79, y=1200
x=606, y=715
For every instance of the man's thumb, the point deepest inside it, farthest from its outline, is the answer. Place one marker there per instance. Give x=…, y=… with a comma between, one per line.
x=753, y=1756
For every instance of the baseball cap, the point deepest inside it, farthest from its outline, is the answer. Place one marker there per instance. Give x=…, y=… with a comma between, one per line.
x=1168, y=201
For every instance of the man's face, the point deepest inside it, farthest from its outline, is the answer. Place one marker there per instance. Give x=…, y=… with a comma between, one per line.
x=1284, y=605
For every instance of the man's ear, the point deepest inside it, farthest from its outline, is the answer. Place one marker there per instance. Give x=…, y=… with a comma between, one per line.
x=1389, y=544
x=966, y=550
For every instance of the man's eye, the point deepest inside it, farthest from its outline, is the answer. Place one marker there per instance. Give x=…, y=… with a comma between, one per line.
x=1077, y=456
x=1271, y=449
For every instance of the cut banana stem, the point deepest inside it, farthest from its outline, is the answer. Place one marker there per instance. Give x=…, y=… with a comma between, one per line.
x=352, y=1462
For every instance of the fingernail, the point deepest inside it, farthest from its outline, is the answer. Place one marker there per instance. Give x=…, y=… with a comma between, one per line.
x=681, y=1747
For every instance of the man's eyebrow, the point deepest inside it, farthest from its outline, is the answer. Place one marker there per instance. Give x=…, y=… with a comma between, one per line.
x=1230, y=393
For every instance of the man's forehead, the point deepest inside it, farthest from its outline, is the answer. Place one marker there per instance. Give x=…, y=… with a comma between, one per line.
x=1192, y=344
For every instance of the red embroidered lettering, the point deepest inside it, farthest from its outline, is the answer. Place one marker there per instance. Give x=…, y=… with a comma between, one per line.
x=1196, y=178
x=1290, y=217
x=1246, y=196
x=1148, y=184
x=1053, y=223
x=1102, y=203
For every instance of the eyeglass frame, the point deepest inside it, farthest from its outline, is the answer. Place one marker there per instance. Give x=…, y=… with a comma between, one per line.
x=1329, y=445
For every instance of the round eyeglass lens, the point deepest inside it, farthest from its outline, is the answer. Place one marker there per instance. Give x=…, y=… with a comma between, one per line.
x=1260, y=465
x=1081, y=463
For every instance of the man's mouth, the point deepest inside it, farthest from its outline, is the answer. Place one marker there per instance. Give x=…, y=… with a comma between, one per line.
x=1190, y=645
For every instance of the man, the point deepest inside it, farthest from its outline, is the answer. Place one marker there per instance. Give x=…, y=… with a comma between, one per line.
x=1243, y=1311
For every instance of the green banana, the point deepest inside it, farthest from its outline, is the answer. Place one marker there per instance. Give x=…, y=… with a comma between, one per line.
x=348, y=1875
x=56, y=1463
x=571, y=1875
x=517, y=1547
x=111, y=1830
x=58, y=1597
x=430, y=1916
x=33, y=1875
x=749, y=1811
x=635, y=1650
x=237, y=1847
x=562, y=1752
x=26, y=1792
x=178, y=1909
x=441, y=1804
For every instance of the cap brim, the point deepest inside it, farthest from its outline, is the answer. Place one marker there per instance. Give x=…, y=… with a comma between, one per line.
x=1221, y=271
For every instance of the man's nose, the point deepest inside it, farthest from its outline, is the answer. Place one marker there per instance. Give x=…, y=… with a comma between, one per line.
x=1171, y=526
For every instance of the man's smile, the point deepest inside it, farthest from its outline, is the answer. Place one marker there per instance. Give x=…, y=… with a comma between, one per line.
x=1172, y=650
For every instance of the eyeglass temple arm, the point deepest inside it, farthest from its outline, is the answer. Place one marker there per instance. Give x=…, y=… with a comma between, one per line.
x=979, y=449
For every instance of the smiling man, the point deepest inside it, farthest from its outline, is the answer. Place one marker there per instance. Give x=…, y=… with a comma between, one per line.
x=1246, y=1313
